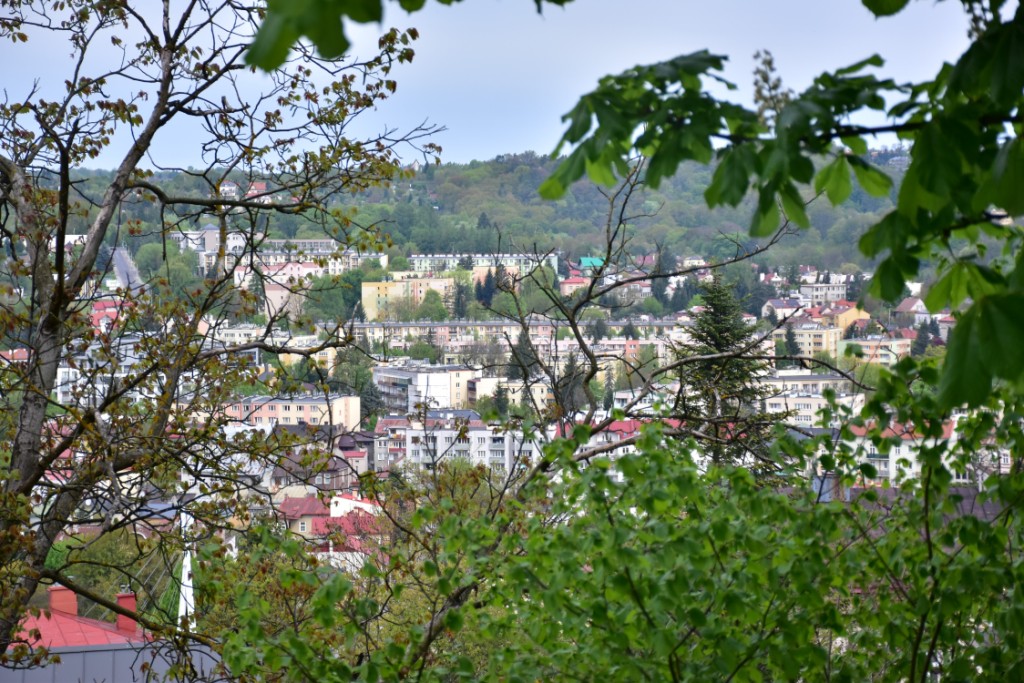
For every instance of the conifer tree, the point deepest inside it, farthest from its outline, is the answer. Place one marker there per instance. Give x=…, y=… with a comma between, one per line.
x=722, y=393
x=522, y=360
x=921, y=341
x=659, y=283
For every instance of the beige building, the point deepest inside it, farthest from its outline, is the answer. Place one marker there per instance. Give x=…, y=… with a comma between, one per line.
x=377, y=297
x=335, y=409
x=813, y=338
x=407, y=387
x=879, y=349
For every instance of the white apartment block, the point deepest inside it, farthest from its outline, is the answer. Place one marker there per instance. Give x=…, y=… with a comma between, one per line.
x=407, y=387
x=440, y=263
x=822, y=293
x=426, y=441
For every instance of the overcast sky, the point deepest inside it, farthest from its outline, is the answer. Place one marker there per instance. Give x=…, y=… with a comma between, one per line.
x=499, y=76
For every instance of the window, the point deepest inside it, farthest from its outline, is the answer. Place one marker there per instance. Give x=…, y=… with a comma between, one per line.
x=302, y=526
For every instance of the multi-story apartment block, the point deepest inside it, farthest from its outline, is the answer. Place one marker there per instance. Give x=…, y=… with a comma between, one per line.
x=311, y=409
x=821, y=293
x=880, y=349
x=813, y=338
x=428, y=440
x=522, y=263
x=408, y=387
x=378, y=297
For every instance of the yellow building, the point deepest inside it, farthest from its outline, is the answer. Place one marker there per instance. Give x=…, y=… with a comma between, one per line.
x=813, y=338
x=378, y=297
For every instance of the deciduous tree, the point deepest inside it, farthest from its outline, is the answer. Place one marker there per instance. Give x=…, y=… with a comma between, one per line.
x=99, y=428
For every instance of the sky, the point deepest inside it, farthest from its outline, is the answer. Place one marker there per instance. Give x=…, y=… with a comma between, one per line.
x=499, y=76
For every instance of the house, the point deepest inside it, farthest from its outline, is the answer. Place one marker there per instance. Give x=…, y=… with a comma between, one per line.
x=782, y=308
x=318, y=459
x=590, y=265
x=571, y=285
x=899, y=455
x=344, y=532
x=378, y=298
x=913, y=307
x=93, y=650
x=404, y=387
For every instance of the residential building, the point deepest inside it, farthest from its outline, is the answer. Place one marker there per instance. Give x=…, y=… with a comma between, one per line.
x=822, y=293
x=427, y=440
x=812, y=337
x=310, y=409
x=87, y=649
x=782, y=308
x=522, y=263
x=378, y=297
x=882, y=349
x=408, y=387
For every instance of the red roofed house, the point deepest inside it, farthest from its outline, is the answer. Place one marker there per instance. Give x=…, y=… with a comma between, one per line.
x=94, y=650
x=571, y=285
x=344, y=533
x=62, y=627
x=900, y=460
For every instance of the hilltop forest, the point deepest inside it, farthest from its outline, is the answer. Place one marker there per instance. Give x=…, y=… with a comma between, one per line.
x=487, y=206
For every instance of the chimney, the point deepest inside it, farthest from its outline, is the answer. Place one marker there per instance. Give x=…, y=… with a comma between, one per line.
x=63, y=600
x=125, y=624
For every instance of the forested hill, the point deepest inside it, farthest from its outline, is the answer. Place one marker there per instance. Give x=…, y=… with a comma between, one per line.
x=466, y=207
x=471, y=207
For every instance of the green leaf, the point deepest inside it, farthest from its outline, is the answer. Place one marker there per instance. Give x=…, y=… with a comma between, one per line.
x=888, y=281
x=1007, y=183
x=936, y=160
x=732, y=178
x=873, y=60
x=1008, y=63
x=454, y=619
x=273, y=41
x=600, y=171
x=874, y=181
x=1000, y=329
x=885, y=8
x=793, y=205
x=965, y=379
x=834, y=180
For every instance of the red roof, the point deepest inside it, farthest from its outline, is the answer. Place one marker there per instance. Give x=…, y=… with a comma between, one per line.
x=293, y=508
x=355, y=524
x=63, y=629
x=901, y=431
x=14, y=355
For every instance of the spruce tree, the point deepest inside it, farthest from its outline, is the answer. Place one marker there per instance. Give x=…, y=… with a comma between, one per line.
x=659, y=283
x=922, y=341
x=723, y=397
x=792, y=346
x=522, y=360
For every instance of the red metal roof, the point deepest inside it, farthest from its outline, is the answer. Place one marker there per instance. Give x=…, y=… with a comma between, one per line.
x=64, y=630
